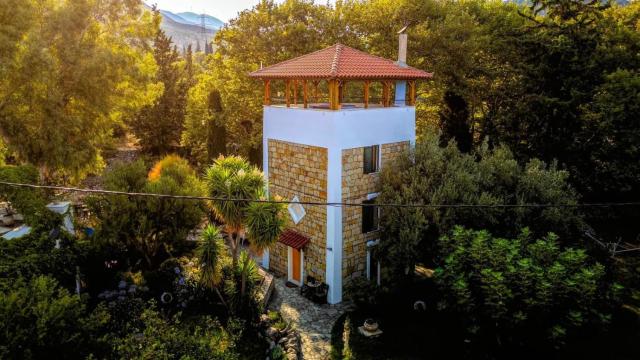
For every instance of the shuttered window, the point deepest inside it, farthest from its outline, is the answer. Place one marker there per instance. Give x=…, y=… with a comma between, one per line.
x=371, y=159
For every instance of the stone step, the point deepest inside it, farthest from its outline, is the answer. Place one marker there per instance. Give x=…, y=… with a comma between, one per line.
x=7, y=220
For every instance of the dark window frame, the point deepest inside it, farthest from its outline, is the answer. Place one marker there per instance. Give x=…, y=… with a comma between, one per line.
x=371, y=159
x=370, y=217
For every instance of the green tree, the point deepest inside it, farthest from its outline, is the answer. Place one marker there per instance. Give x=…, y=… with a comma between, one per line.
x=39, y=318
x=559, y=42
x=434, y=175
x=205, y=134
x=148, y=227
x=454, y=122
x=158, y=126
x=70, y=70
x=521, y=291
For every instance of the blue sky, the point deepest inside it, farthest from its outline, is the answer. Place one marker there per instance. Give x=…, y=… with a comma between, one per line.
x=222, y=9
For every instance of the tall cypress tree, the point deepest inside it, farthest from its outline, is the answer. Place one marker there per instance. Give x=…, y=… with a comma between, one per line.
x=158, y=126
x=217, y=132
x=454, y=122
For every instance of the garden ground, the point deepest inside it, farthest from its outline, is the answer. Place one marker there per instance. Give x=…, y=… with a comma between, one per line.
x=313, y=322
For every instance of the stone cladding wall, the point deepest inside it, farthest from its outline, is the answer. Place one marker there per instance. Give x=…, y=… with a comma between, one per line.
x=301, y=170
x=356, y=185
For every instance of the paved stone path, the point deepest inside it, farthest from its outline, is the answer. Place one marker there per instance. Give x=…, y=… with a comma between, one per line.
x=313, y=322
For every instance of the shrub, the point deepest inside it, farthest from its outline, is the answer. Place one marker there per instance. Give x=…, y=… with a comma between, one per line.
x=150, y=228
x=162, y=339
x=37, y=254
x=39, y=319
x=523, y=290
x=435, y=175
x=31, y=203
x=363, y=293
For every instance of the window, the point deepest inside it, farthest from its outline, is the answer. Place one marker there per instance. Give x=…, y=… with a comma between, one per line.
x=370, y=216
x=296, y=210
x=373, y=263
x=371, y=159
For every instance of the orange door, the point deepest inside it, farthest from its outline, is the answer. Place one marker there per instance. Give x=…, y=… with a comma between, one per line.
x=295, y=264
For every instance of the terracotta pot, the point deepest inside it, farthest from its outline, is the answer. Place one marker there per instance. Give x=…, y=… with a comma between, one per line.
x=370, y=325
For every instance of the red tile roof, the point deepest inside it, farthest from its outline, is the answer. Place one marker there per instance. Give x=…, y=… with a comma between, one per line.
x=340, y=62
x=294, y=239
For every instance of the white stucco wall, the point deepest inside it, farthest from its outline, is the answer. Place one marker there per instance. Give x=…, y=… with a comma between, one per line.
x=336, y=131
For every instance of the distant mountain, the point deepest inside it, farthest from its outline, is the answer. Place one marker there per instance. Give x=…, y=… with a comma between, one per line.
x=210, y=21
x=185, y=28
x=184, y=35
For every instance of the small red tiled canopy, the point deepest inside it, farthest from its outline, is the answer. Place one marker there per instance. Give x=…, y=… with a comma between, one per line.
x=294, y=239
x=340, y=62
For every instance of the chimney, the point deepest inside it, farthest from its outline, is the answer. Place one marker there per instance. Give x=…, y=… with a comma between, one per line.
x=402, y=46
x=401, y=86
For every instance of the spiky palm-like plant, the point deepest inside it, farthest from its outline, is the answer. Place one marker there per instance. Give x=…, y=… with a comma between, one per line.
x=248, y=270
x=233, y=177
x=210, y=253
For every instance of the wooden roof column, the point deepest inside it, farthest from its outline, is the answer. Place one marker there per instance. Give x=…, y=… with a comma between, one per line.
x=386, y=94
x=367, y=83
x=305, y=91
x=316, y=83
x=267, y=92
x=334, y=94
x=412, y=93
x=287, y=93
x=295, y=92
x=342, y=88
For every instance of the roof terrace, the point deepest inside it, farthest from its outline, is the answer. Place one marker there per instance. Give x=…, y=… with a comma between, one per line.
x=325, y=80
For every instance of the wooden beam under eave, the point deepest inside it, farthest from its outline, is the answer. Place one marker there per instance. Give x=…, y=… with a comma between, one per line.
x=305, y=93
x=367, y=84
x=267, y=92
x=287, y=93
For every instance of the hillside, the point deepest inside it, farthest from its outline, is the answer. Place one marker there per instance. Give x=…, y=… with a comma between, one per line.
x=196, y=19
x=185, y=34
x=185, y=29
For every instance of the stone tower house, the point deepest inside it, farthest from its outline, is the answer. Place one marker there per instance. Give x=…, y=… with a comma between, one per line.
x=320, y=148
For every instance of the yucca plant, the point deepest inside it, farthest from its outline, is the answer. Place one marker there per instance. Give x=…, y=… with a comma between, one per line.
x=243, y=218
x=210, y=253
x=233, y=177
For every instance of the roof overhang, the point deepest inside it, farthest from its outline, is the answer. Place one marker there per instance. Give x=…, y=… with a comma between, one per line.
x=340, y=62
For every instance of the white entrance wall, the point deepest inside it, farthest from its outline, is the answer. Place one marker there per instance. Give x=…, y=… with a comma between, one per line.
x=335, y=131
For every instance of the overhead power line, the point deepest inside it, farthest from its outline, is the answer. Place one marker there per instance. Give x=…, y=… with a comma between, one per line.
x=318, y=203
